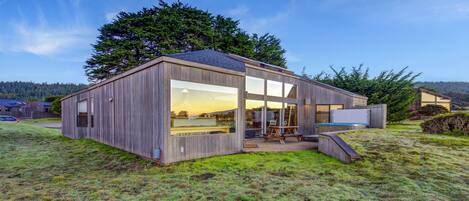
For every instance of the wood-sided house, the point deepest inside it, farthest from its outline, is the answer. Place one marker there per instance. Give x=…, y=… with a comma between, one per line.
x=198, y=104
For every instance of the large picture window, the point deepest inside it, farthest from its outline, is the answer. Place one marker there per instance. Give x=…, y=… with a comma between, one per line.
x=255, y=85
x=198, y=109
x=82, y=118
x=323, y=112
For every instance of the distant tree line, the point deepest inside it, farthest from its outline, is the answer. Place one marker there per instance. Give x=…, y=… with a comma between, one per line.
x=134, y=38
x=30, y=91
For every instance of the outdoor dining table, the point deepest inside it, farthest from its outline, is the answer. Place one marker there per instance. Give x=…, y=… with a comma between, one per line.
x=275, y=132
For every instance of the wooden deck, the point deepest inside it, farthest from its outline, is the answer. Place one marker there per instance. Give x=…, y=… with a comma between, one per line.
x=291, y=144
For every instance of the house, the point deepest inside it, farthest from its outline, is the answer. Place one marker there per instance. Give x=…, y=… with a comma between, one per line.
x=428, y=97
x=21, y=109
x=198, y=104
x=11, y=107
x=40, y=106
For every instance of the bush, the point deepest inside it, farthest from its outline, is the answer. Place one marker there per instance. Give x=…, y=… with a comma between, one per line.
x=432, y=110
x=455, y=123
x=56, y=106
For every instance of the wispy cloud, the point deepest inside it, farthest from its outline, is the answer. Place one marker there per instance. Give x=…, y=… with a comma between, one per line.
x=260, y=24
x=47, y=41
x=39, y=38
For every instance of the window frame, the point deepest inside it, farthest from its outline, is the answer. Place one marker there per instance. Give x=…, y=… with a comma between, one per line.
x=285, y=94
x=329, y=111
x=236, y=113
x=79, y=122
x=274, y=82
x=264, y=83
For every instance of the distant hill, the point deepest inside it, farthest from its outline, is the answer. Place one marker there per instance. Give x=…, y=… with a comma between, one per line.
x=29, y=91
x=446, y=87
x=458, y=91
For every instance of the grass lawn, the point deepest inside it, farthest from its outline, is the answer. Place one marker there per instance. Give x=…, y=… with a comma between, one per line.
x=400, y=163
x=41, y=121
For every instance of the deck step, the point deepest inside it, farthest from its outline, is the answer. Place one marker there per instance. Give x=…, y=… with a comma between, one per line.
x=332, y=145
x=250, y=144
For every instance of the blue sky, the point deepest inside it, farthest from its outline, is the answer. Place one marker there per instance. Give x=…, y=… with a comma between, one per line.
x=49, y=41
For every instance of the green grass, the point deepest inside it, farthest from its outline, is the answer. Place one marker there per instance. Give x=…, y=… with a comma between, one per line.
x=400, y=163
x=41, y=121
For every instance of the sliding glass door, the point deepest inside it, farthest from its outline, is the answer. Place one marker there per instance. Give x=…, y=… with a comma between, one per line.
x=254, y=118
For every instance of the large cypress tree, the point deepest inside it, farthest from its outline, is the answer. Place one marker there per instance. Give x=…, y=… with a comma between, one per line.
x=135, y=38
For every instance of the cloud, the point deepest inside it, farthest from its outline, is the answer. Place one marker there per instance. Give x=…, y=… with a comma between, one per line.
x=35, y=36
x=251, y=22
x=47, y=41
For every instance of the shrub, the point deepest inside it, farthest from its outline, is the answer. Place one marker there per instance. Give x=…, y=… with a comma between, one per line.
x=455, y=123
x=396, y=89
x=432, y=110
x=56, y=106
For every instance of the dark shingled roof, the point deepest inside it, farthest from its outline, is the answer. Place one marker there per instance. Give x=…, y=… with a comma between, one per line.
x=211, y=57
x=11, y=103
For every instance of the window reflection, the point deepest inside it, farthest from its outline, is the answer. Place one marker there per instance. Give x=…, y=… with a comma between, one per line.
x=274, y=88
x=273, y=113
x=254, y=85
x=291, y=115
x=290, y=90
x=82, y=119
x=202, y=108
x=323, y=112
x=254, y=117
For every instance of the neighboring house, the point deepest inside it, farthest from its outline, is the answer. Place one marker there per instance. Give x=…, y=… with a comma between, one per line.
x=11, y=107
x=427, y=97
x=39, y=109
x=21, y=109
x=40, y=106
x=198, y=104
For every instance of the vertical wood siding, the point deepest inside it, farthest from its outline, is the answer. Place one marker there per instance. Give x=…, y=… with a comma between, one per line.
x=69, y=117
x=126, y=113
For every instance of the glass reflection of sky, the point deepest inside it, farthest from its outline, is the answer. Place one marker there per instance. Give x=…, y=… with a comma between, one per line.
x=290, y=92
x=274, y=88
x=196, y=98
x=254, y=85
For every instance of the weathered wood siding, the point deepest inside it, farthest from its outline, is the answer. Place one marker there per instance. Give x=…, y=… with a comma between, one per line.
x=378, y=116
x=69, y=117
x=177, y=148
x=126, y=113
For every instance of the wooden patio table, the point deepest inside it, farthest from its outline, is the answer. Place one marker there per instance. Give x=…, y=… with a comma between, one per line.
x=275, y=132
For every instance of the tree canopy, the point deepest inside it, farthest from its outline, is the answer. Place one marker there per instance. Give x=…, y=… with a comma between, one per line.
x=135, y=38
x=396, y=89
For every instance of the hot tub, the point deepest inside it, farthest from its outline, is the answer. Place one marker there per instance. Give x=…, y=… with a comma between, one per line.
x=331, y=127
